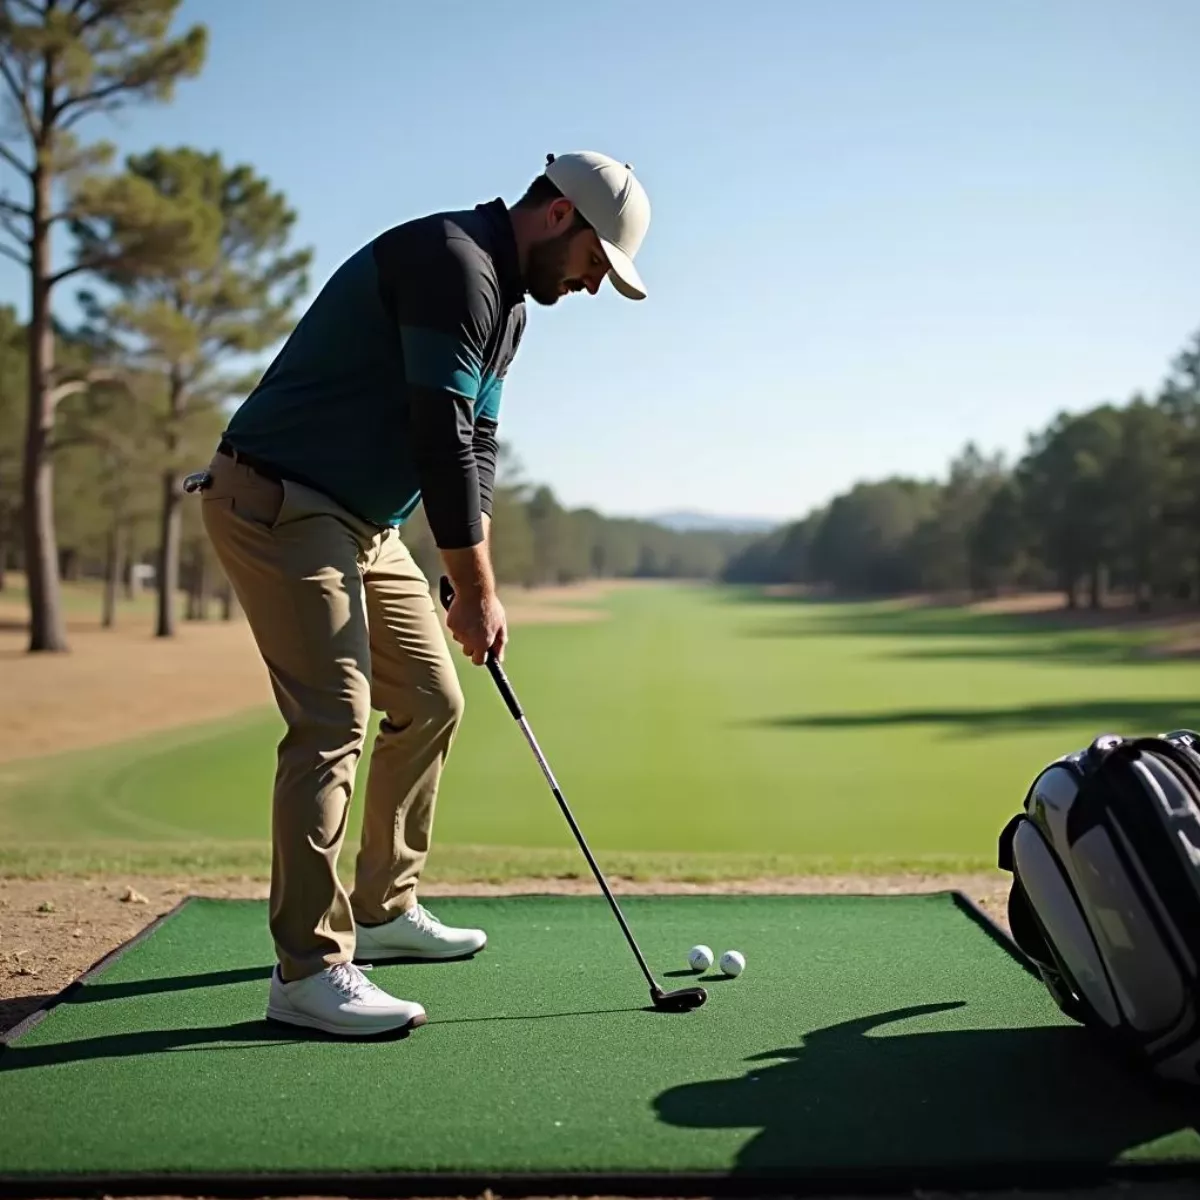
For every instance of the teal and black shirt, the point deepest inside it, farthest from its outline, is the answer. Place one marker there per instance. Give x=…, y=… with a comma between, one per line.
x=387, y=392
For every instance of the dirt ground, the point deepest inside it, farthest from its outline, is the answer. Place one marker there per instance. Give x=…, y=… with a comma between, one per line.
x=122, y=682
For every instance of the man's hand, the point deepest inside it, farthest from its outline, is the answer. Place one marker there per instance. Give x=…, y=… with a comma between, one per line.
x=475, y=618
x=477, y=621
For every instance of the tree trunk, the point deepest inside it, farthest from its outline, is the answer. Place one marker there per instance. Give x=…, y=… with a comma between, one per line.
x=229, y=603
x=1070, y=585
x=69, y=562
x=133, y=585
x=1099, y=585
x=197, y=583
x=170, y=529
x=5, y=526
x=168, y=555
x=47, y=631
x=112, y=572
x=202, y=582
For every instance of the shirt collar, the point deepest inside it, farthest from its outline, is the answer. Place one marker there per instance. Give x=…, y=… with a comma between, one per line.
x=504, y=251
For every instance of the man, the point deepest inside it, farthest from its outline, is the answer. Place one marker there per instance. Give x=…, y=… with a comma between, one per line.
x=386, y=395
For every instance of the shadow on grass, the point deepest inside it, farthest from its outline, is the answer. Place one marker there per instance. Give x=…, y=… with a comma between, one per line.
x=14, y=1009
x=1129, y=716
x=237, y=1035
x=1081, y=637
x=95, y=993
x=847, y=1101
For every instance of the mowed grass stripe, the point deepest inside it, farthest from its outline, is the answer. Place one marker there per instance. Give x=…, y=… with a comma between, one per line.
x=691, y=722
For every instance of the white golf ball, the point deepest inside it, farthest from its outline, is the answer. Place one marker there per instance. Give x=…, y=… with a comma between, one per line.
x=700, y=958
x=732, y=962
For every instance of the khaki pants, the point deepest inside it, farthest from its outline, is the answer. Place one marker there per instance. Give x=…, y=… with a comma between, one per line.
x=345, y=622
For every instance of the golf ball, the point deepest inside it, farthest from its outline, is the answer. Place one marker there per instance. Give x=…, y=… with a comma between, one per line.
x=732, y=962
x=700, y=958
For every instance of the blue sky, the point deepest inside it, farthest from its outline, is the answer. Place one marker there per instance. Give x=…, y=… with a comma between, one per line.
x=880, y=227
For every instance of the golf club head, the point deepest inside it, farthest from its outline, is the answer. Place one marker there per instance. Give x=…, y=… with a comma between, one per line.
x=680, y=1000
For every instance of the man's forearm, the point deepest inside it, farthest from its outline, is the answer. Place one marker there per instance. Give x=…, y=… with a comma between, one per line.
x=470, y=568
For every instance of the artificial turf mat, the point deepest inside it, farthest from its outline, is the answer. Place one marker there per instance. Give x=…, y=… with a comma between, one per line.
x=886, y=1039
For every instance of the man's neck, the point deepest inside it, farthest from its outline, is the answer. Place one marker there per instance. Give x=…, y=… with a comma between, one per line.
x=523, y=227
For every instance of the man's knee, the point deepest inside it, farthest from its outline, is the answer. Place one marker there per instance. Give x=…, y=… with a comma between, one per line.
x=329, y=731
x=436, y=706
x=444, y=703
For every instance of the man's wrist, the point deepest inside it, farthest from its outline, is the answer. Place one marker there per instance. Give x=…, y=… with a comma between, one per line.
x=470, y=570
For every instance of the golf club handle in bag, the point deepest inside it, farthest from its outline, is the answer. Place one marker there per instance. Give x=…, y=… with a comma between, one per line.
x=497, y=671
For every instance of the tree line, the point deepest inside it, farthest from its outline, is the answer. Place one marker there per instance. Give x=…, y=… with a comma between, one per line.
x=1103, y=503
x=184, y=268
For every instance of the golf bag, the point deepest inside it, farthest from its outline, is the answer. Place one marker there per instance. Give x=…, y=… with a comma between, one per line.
x=1105, y=897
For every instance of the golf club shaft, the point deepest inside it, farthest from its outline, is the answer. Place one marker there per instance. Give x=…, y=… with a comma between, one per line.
x=514, y=707
x=498, y=675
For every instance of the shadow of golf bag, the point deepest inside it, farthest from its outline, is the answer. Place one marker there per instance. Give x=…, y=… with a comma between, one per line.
x=1105, y=898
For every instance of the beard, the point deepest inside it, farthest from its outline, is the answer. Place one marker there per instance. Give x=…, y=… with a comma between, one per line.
x=545, y=270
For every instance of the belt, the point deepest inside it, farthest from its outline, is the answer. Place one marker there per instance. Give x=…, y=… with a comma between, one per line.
x=269, y=471
x=257, y=465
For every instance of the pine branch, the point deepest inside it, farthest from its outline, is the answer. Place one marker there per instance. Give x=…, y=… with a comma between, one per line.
x=13, y=161
x=72, y=387
x=14, y=209
x=90, y=102
x=11, y=228
x=96, y=262
x=19, y=95
x=9, y=252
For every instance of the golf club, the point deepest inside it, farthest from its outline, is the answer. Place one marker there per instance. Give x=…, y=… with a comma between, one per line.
x=681, y=1000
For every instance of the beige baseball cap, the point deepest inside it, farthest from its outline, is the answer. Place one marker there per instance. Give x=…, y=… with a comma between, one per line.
x=612, y=200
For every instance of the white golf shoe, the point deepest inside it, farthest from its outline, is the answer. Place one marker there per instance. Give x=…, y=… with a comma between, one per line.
x=416, y=934
x=340, y=1000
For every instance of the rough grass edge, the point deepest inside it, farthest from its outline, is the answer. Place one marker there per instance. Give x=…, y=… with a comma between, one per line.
x=474, y=864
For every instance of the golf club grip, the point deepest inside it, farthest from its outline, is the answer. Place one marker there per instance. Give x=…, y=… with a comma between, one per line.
x=504, y=687
x=446, y=590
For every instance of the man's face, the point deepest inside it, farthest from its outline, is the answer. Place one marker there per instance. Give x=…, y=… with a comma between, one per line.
x=567, y=259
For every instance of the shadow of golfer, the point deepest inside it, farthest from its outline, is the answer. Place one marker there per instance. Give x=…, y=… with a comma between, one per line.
x=922, y=1105
x=235, y=1036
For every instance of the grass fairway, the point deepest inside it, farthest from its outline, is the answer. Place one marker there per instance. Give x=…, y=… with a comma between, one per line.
x=697, y=733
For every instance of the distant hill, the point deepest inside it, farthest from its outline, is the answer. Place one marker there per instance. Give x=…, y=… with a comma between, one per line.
x=687, y=522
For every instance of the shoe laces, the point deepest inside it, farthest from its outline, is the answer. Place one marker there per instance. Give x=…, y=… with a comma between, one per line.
x=424, y=920
x=350, y=981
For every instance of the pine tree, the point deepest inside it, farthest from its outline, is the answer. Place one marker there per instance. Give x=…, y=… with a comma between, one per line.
x=233, y=296
x=62, y=63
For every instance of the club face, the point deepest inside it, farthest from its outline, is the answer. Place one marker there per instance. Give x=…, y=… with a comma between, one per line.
x=681, y=1000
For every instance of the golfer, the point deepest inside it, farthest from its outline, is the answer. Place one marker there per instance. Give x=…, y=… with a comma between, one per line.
x=385, y=395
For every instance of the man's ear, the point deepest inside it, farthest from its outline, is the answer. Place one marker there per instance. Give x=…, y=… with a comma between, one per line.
x=559, y=215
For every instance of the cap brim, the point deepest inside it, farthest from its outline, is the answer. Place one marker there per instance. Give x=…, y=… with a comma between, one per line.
x=623, y=273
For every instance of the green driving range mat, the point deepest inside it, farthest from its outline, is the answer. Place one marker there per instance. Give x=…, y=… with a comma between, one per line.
x=870, y=1039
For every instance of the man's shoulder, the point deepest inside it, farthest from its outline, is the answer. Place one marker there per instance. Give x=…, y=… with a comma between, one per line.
x=461, y=241
x=451, y=266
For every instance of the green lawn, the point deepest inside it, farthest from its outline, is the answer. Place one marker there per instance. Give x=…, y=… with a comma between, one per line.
x=86, y=597
x=697, y=733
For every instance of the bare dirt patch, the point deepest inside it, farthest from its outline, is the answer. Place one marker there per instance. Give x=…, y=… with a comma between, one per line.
x=123, y=682
x=52, y=930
